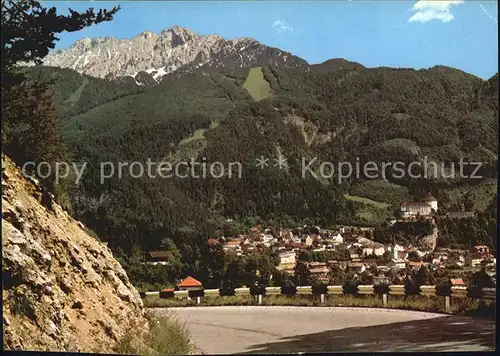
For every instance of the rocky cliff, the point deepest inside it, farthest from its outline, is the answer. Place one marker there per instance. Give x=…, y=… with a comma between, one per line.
x=62, y=289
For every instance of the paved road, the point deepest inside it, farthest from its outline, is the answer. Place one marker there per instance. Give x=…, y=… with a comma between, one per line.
x=258, y=329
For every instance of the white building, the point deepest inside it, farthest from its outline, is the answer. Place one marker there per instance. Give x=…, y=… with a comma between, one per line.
x=394, y=250
x=356, y=267
x=296, y=239
x=423, y=208
x=163, y=263
x=397, y=263
x=232, y=246
x=374, y=249
x=421, y=253
x=411, y=209
x=337, y=240
x=287, y=257
x=267, y=238
x=355, y=245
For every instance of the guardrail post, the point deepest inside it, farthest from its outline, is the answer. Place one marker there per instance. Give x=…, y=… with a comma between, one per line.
x=198, y=300
x=260, y=298
x=384, y=300
x=447, y=307
x=322, y=299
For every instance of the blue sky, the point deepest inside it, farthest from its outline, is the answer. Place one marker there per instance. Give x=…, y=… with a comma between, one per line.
x=404, y=33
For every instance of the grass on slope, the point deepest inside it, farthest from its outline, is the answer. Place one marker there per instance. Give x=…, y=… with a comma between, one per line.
x=75, y=96
x=368, y=210
x=199, y=134
x=363, y=200
x=192, y=145
x=256, y=85
x=381, y=190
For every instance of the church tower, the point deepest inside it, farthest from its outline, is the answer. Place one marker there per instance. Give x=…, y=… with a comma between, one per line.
x=431, y=201
x=394, y=253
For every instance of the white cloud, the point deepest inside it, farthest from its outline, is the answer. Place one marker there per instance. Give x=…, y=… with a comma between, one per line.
x=433, y=10
x=281, y=26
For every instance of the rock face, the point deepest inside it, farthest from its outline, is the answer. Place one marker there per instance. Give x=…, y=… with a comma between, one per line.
x=62, y=289
x=176, y=49
x=430, y=241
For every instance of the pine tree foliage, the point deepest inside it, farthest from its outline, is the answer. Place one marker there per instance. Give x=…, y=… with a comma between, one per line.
x=30, y=123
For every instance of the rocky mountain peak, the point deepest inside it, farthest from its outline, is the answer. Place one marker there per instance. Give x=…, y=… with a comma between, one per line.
x=147, y=34
x=173, y=49
x=83, y=44
x=178, y=35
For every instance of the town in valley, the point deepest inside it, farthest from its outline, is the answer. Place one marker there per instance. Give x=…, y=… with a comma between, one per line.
x=347, y=253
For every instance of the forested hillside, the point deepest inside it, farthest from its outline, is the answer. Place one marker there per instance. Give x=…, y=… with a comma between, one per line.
x=335, y=112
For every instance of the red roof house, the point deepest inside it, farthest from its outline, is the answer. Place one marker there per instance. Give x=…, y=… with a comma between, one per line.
x=255, y=229
x=457, y=282
x=189, y=283
x=167, y=292
x=212, y=241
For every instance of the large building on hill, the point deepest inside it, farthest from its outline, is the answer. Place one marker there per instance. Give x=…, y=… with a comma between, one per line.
x=415, y=208
x=422, y=208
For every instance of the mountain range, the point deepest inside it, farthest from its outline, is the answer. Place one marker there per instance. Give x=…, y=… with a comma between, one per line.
x=179, y=95
x=148, y=57
x=175, y=49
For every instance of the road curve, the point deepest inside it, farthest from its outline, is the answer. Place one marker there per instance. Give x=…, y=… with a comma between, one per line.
x=258, y=329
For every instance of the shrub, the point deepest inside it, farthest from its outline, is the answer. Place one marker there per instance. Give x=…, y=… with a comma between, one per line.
x=411, y=287
x=22, y=303
x=443, y=289
x=229, y=291
x=350, y=287
x=230, y=300
x=474, y=292
x=288, y=290
x=415, y=302
x=166, y=336
x=318, y=289
x=280, y=300
x=166, y=294
x=196, y=293
x=479, y=308
x=381, y=289
x=258, y=290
